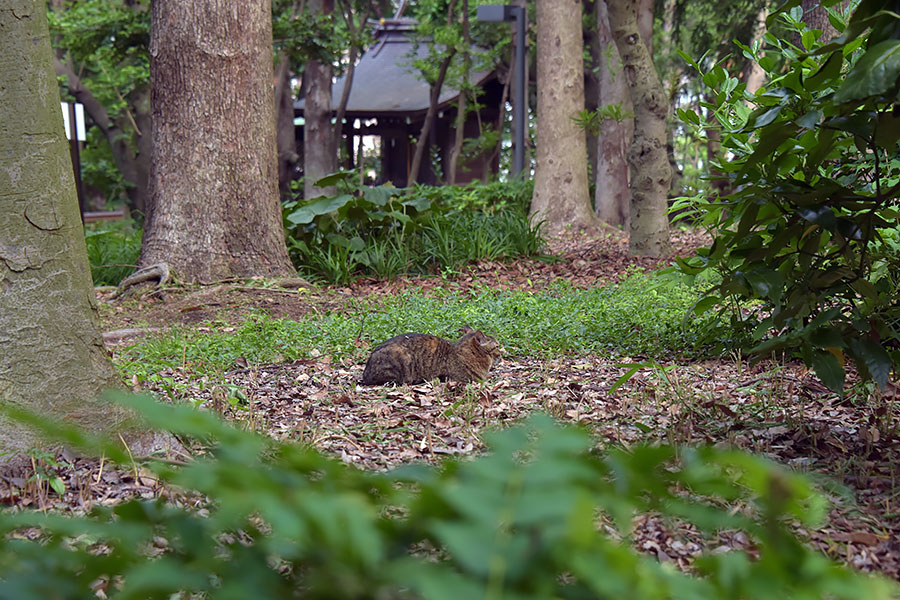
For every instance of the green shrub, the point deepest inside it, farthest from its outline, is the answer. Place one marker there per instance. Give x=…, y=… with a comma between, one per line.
x=809, y=232
x=113, y=249
x=385, y=231
x=281, y=521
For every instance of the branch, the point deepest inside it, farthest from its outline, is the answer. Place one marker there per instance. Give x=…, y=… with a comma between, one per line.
x=94, y=108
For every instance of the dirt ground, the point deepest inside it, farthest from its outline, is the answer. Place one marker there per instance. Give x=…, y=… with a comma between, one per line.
x=777, y=410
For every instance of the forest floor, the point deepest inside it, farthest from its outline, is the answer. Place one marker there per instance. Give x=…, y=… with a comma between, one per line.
x=849, y=444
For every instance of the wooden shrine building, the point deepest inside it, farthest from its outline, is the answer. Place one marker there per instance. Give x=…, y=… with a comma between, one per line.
x=389, y=99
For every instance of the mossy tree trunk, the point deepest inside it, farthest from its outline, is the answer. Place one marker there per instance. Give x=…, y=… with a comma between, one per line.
x=214, y=177
x=561, y=197
x=650, y=171
x=52, y=359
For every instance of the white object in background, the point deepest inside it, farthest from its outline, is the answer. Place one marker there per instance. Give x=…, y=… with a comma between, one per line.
x=79, y=120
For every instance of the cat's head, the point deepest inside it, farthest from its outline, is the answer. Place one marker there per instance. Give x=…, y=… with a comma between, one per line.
x=483, y=343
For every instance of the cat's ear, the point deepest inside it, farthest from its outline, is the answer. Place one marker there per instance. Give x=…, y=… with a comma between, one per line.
x=466, y=329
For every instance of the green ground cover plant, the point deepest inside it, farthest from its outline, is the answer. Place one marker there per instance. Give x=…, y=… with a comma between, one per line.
x=385, y=231
x=642, y=316
x=113, y=248
x=280, y=521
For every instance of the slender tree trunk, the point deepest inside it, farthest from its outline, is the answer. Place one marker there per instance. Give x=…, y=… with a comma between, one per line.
x=129, y=136
x=353, y=55
x=645, y=23
x=561, y=198
x=591, y=36
x=284, y=126
x=650, y=171
x=612, y=196
x=422, y=141
x=214, y=177
x=463, y=93
x=52, y=361
x=319, y=149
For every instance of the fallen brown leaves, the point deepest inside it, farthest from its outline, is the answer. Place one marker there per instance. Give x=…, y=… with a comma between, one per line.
x=778, y=410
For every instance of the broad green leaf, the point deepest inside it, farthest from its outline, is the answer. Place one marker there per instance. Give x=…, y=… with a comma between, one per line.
x=827, y=337
x=820, y=215
x=873, y=358
x=887, y=131
x=420, y=203
x=766, y=283
x=706, y=303
x=306, y=214
x=762, y=117
x=826, y=73
x=379, y=196
x=334, y=178
x=875, y=74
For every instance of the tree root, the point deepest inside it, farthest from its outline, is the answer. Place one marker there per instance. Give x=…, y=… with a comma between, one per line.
x=159, y=272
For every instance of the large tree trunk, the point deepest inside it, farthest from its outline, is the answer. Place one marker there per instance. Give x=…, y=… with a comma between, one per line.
x=214, y=177
x=650, y=171
x=611, y=196
x=52, y=361
x=561, y=198
x=319, y=147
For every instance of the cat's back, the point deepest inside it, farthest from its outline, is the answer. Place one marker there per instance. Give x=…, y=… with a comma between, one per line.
x=405, y=358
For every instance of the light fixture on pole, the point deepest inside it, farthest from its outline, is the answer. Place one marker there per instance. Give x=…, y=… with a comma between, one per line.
x=496, y=13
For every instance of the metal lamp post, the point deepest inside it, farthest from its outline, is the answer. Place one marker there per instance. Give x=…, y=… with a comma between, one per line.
x=497, y=13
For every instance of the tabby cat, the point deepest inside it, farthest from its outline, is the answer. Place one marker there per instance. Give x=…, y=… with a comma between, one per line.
x=418, y=357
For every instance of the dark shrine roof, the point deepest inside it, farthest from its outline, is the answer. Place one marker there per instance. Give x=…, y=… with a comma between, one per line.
x=385, y=82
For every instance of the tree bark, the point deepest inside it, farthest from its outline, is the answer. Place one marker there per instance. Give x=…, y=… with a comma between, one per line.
x=561, y=198
x=591, y=37
x=816, y=17
x=754, y=75
x=611, y=195
x=52, y=361
x=650, y=171
x=286, y=139
x=214, y=175
x=319, y=149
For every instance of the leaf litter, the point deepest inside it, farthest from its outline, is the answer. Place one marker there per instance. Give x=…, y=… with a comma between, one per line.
x=850, y=445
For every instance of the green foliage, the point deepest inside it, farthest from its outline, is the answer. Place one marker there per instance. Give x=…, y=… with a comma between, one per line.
x=113, y=249
x=592, y=120
x=810, y=230
x=519, y=522
x=385, y=231
x=642, y=316
x=108, y=41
